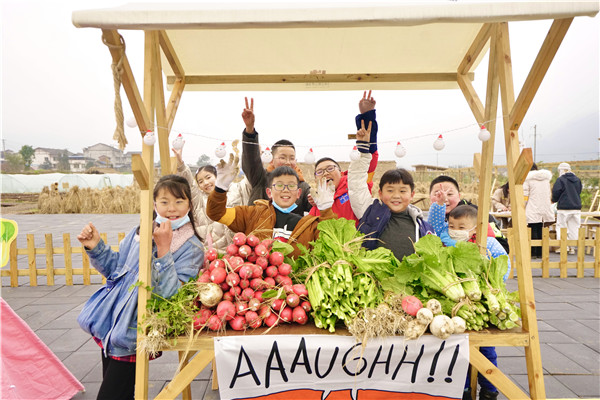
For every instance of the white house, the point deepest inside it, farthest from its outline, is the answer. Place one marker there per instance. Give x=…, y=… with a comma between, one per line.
x=43, y=155
x=107, y=154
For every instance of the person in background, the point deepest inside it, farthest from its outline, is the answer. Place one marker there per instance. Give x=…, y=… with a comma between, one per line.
x=329, y=168
x=284, y=154
x=110, y=315
x=213, y=234
x=501, y=203
x=566, y=192
x=538, y=208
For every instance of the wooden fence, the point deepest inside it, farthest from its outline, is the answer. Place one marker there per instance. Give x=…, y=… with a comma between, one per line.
x=587, y=242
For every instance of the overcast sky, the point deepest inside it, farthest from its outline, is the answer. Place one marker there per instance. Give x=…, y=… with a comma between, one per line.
x=57, y=92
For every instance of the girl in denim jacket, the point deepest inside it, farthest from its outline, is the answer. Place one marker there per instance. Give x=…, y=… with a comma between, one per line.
x=110, y=315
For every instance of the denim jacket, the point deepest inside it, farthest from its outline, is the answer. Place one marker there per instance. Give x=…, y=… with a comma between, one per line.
x=111, y=313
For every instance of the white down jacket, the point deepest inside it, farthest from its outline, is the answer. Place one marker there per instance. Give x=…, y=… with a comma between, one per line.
x=538, y=207
x=221, y=236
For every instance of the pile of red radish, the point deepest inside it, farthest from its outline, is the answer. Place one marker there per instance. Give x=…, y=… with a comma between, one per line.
x=243, y=274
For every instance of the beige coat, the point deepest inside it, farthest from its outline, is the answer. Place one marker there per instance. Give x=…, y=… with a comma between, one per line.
x=220, y=235
x=536, y=187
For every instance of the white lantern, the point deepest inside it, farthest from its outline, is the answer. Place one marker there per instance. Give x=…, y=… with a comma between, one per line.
x=149, y=138
x=309, y=158
x=439, y=143
x=266, y=156
x=484, y=135
x=178, y=142
x=131, y=122
x=221, y=151
x=400, y=151
x=354, y=154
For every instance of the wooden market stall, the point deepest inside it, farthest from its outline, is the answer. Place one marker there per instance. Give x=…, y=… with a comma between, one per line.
x=425, y=45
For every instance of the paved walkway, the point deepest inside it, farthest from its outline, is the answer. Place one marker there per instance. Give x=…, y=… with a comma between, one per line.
x=568, y=312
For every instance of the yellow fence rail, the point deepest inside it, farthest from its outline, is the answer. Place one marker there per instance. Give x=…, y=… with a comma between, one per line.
x=68, y=270
x=587, y=242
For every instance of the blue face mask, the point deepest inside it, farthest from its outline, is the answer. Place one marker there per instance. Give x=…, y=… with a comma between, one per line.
x=285, y=210
x=175, y=224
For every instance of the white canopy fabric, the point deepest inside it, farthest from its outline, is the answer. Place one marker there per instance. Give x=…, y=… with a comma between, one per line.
x=322, y=47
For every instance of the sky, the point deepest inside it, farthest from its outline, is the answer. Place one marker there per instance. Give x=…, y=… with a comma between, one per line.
x=57, y=92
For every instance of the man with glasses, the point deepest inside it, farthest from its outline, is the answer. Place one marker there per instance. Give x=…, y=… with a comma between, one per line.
x=284, y=154
x=330, y=170
x=271, y=219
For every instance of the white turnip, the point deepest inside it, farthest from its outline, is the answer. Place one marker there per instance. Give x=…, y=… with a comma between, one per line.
x=459, y=324
x=435, y=306
x=424, y=316
x=441, y=326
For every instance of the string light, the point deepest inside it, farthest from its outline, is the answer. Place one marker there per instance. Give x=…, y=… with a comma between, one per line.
x=484, y=135
x=149, y=138
x=221, y=151
x=131, y=122
x=266, y=156
x=439, y=143
x=400, y=150
x=354, y=154
x=309, y=158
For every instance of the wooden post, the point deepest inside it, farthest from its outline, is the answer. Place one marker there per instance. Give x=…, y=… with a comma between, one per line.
x=146, y=207
x=184, y=357
x=49, y=260
x=526, y=294
x=563, y=252
x=86, y=266
x=545, y=252
x=580, y=252
x=31, y=260
x=162, y=130
x=68, y=259
x=596, y=255
x=14, y=268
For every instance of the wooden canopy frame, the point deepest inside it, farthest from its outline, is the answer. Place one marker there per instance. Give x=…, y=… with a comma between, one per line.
x=493, y=36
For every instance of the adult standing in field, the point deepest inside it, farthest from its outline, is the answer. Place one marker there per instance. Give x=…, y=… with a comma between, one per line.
x=213, y=234
x=538, y=208
x=566, y=192
x=284, y=154
x=501, y=203
x=330, y=170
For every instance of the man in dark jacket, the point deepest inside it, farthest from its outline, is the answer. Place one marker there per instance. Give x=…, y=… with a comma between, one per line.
x=284, y=153
x=566, y=192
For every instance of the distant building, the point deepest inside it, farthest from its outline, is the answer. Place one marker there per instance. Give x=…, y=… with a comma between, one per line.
x=78, y=162
x=47, y=157
x=108, y=155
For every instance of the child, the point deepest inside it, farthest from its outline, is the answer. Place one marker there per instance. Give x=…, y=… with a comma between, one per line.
x=110, y=315
x=447, y=188
x=213, y=234
x=284, y=153
x=462, y=222
x=329, y=169
x=273, y=218
x=391, y=219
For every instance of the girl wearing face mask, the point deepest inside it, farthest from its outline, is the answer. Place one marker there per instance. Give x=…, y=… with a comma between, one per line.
x=110, y=315
x=213, y=234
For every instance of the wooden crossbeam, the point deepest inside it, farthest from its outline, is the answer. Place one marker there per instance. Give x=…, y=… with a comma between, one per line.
x=476, y=48
x=186, y=375
x=170, y=54
x=318, y=78
x=494, y=375
x=523, y=165
x=140, y=171
x=113, y=38
x=472, y=98
x=554, y=38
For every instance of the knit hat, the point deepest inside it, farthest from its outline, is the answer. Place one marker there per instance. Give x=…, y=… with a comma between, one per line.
x=564, y=166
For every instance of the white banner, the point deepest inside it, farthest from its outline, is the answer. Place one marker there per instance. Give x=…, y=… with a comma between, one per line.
x=317, y=366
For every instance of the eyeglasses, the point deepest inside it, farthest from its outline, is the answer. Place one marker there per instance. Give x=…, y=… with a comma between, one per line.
x=330, y=168
x=280, y=187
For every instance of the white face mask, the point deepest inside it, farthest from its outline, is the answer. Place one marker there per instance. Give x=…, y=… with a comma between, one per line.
x=459, y=235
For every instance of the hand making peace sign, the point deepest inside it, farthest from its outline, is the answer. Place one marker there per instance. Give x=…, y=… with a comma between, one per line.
x=248, y=115
x=367, y=103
